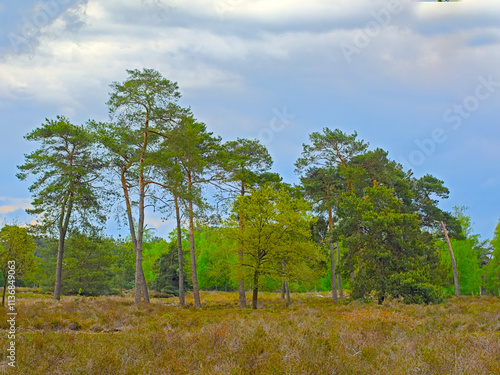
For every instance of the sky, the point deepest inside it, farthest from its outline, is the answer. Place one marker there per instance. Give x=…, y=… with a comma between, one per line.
x=418, y=79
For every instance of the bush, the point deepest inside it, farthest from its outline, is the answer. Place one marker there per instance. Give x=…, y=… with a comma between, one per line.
x=413, y=290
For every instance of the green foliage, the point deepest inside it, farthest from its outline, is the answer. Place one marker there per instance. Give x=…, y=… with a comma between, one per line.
x=425, y=192
x=16, y=245
x=413, y=288
x=468, y=265
x=217, y=260
x=470, y=255
x=95, y=264
x=153, y=248
x=65, y=192
x=166, y=270
x=123, y=267
x=382, y=240
x=66, y=168
x=330, y=149
x=325, y=165
x=275, y=237
x=245, y=162
x=88, y=265
x=492, y=271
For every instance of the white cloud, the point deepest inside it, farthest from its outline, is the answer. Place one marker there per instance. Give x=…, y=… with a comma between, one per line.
x=8, y=204
x=122, y=35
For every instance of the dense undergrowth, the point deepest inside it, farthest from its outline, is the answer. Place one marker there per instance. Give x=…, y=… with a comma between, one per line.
x=109, y=335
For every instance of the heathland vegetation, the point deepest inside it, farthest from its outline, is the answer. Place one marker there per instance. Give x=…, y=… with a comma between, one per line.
x=110, y=335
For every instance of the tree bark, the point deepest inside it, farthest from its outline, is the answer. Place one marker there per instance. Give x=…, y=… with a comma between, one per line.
x=255, y=289
x=287, y=290
x=141, y=287
x=334, y=276
x=241, y=281
x=4, y=289
x=60, y=255
x=339, y=278
x=332, y=256
x=196, y=291
x=182, y=299
x=63, y=228
x=283, y=289
x=140, y=280
x=453, y=262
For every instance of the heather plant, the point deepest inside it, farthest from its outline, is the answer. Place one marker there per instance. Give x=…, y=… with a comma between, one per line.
x=110, y=335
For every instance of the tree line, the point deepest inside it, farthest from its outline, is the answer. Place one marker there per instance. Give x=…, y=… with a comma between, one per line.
x=357, y=220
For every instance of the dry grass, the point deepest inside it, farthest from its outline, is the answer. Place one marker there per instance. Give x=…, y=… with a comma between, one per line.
x=109, y=335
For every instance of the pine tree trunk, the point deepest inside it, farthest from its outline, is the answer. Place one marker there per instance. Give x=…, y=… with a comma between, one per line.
x=140, y=280
x=332, y=255
x=339, y=278
x=453, y=262
x=196, y=291
x=138, y=277
x=182, y=298
x=241, y=281
x=334, y=276
x=60, y=254
x=63, y=228
x=141, y=287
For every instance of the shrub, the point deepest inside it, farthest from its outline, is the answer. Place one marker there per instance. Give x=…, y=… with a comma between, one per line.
x=413, y=290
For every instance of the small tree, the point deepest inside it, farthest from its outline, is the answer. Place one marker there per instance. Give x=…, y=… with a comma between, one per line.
x=17, y=246
x=88, y=265
x=246, y=161
x=272, y=218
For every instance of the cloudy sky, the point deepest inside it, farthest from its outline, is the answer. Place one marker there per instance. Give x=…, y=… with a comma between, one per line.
x=419, y=79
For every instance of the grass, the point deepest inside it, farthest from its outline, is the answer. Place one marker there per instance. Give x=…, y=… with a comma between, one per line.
x=109, y=335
